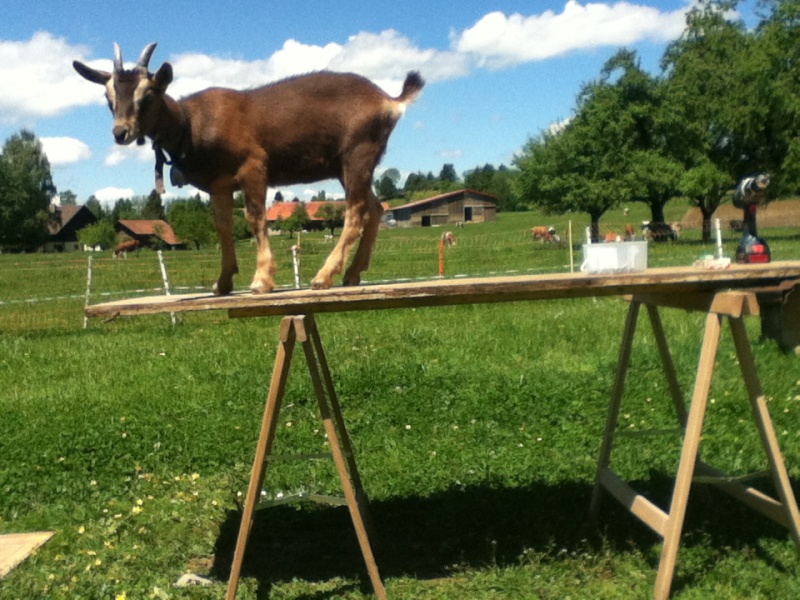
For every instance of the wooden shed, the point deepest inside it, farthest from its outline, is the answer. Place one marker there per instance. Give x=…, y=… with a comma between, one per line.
x=150, y=233
x=64, y=224
x=461, y=206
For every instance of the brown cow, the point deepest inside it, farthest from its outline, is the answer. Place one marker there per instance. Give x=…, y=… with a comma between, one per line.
x=122, y=248
x=545, y=234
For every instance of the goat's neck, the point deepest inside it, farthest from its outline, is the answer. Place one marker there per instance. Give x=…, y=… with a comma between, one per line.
x=172, y=129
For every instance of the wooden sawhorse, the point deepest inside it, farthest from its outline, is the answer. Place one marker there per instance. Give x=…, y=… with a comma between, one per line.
x=732, y=306
x=303, y=328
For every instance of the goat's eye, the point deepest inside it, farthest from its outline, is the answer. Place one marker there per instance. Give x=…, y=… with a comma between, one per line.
x=147, y=100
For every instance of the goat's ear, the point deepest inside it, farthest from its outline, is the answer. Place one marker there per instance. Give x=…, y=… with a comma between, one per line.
x=90, y=74
x=163, y=76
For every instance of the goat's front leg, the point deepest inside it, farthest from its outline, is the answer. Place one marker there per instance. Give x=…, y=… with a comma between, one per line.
x=366, y=245
x=254, y=185
x=222, y=205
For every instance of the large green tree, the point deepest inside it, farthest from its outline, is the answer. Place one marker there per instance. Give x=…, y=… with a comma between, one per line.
x=191, y=220
x=26, y=189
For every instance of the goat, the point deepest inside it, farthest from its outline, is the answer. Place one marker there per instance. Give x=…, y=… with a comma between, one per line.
x=302, y=129
x=448, y=239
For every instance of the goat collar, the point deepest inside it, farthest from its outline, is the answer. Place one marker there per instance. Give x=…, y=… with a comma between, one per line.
x=176, y=175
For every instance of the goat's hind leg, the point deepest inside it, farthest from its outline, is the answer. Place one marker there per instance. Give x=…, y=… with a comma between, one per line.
x=353, y=222
x=366, y=245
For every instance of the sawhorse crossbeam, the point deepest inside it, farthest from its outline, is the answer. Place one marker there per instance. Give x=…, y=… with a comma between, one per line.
x=730, y=306
x=303, y=329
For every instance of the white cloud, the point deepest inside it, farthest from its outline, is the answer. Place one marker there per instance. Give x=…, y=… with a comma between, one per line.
x=46, y=85
x=451, y=153
x=109, y=195
x=62, y=151
x=119, y=154
x=39, y=81
x=499, y=41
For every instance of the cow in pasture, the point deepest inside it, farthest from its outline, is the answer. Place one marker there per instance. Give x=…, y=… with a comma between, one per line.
x=661, y=231
x=545, y=234
x=123, y=248
x=630, y=233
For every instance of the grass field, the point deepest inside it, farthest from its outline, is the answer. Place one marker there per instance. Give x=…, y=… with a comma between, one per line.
x=477, y=430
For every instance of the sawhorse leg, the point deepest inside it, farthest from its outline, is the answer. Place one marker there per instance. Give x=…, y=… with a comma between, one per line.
x=669, y=525
x=304, y=329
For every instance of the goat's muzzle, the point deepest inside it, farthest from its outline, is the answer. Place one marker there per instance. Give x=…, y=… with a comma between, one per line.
x=122, y=135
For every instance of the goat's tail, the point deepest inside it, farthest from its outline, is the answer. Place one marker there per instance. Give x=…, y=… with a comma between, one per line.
x=411, y=88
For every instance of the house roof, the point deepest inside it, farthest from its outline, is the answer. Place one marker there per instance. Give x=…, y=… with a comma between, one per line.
x=445, y=196
x=155, y=227
x=67, y=213
x=284, y=210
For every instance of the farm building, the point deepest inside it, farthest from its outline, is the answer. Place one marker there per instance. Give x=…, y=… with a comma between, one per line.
x=64, y=224
x=152, y=233
x=284, y=210
x=461, y=206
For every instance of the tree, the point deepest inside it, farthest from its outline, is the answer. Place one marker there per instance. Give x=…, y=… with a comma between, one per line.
x=386, y=188
x=278, y=197
x=93, y=204
x=68, y=198
x=26, y=189
x=100, y=234
x=705, y=186
x=448, y=173
x=153, y=208
x=332, y=215
x=191, y=220
x=297, y=220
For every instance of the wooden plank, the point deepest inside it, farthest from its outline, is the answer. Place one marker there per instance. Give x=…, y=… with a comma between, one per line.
x=662, y=281
x=16, y=547
x=638, y=505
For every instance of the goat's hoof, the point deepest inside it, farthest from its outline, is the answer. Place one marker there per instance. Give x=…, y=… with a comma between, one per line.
x=260, y=287
x=222, y=289
x=352, y=280
x=320, y=283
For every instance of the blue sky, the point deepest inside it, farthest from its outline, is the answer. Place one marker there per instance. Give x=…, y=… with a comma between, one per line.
x=498, y=72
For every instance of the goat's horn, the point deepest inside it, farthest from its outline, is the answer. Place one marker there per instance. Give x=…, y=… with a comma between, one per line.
x=144, y=59
x=117, y=58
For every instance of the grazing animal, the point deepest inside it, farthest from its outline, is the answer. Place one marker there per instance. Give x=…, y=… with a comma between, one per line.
x=544, y=234
x=660, y=232
x=630, y=233
x=448, y=239
x=302, y=129
x=612, y=237
x=123, y=248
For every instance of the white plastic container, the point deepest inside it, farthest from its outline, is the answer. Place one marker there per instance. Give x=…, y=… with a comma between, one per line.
x=614, y=257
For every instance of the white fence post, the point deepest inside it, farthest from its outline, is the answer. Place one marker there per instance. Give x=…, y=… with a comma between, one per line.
x=166, y=282
x=88, y=291
x=296, y=263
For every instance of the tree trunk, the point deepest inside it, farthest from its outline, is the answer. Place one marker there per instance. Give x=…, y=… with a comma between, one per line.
x=706, y=223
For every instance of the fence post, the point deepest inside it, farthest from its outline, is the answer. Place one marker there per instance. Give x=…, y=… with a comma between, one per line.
x=296, y=263
x=571, y=250
x=441, y=257
x=88, y=291
x=166, y=282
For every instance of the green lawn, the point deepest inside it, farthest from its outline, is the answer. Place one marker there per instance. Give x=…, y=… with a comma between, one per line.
x=477, y=430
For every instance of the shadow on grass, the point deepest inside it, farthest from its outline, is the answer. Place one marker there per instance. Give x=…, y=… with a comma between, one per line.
x=433, y=536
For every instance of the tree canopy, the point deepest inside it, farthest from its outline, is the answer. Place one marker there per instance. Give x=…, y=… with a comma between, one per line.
x=26, y=190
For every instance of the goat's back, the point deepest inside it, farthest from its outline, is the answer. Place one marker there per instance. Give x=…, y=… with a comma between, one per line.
x=307, y=125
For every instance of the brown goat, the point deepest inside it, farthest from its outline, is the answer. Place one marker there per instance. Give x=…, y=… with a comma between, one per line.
x=302, y=129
